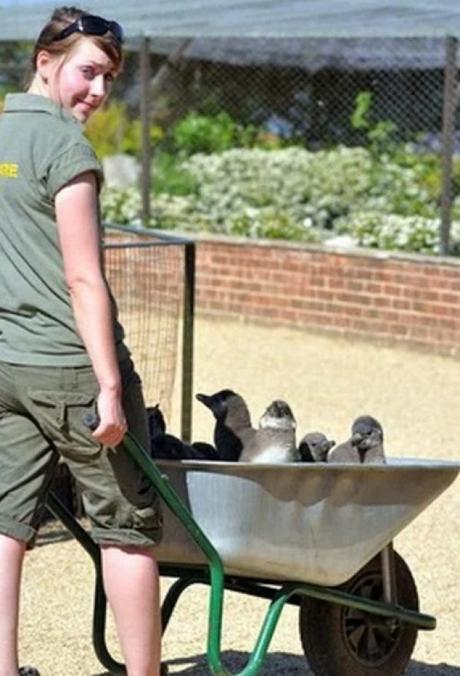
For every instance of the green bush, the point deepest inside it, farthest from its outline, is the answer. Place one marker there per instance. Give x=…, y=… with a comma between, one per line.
x=380, y=133
x=170, y=177
x=290, y=194
x=121, y=206
x=309, y=187
x=111, y=131
x=205, y=134
x=392, y=232
x=390, y=202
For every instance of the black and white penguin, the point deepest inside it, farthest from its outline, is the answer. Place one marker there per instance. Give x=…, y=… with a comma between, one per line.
x=232, y=429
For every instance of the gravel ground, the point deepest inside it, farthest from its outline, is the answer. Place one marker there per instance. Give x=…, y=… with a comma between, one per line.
x=328, y=382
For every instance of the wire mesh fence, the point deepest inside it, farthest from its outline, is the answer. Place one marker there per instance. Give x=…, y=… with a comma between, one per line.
x=304, y=90
x=147, y=277
x=382, y=95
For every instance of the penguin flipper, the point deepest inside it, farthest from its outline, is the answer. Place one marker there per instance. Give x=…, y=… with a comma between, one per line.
x=204, y=451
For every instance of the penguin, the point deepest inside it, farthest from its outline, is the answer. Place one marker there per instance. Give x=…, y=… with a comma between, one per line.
x=275, y=439
x=237, y=440
x=364, y=446
x=314, y=447
x=233, y=423
x=164, y=446
x=156, y=421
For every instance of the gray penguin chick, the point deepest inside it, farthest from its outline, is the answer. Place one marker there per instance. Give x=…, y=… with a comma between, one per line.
x=274, y=441
x=364, y=446
x=314, y=447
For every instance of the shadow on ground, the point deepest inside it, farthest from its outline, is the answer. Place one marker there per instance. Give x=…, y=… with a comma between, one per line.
x=50, y=536
x=234, y=661
x=423, y=669
x=286, y=664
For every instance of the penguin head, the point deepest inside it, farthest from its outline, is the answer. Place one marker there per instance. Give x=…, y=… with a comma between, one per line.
x=278, y=416
x=366, y=433
x=316, y=446
x=218, y=403
x=156, y=421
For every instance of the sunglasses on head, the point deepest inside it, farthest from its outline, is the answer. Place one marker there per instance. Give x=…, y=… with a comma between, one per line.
x=89, y=24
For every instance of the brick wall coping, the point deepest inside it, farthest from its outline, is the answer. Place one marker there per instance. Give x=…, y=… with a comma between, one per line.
x=361, y=252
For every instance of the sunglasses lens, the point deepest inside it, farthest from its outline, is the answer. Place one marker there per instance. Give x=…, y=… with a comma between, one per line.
x=96, y=25
x=93, y=25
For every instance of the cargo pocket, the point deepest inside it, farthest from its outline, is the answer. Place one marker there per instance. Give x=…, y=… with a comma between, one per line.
x=60, y=415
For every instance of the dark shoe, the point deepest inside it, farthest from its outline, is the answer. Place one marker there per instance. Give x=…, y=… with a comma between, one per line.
x=164, y=669
x=28, y=671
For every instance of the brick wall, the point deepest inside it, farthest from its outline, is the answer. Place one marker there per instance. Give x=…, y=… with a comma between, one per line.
x=405, y=299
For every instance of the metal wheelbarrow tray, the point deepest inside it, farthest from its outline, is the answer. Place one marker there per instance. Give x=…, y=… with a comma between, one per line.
x=315, y=523
x=317, y=536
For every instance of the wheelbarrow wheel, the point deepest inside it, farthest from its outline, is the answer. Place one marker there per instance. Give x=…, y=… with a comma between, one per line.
x=341, y=641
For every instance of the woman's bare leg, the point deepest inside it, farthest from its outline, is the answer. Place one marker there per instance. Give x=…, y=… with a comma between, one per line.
x=132, y=587
x=11, y=558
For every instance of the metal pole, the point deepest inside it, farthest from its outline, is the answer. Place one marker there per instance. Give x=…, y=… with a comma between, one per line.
x=146, y=178
x=187, y=341
x=448, y=137
x=389, y=574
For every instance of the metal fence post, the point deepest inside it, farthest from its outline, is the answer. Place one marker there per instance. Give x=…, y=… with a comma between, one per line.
x=448, y=140
x=145, y=121
x=187, y=341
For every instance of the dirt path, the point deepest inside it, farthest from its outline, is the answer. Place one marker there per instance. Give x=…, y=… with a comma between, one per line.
x=328, y=382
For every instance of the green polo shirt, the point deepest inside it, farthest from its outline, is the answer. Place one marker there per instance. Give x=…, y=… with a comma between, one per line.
x=42, y=147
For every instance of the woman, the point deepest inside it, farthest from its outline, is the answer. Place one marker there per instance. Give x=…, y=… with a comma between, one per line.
x=61, y=348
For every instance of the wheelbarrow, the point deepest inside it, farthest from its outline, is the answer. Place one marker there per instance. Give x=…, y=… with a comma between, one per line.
x=317, y=536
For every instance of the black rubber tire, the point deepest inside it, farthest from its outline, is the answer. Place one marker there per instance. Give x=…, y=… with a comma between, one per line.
x=340, y=641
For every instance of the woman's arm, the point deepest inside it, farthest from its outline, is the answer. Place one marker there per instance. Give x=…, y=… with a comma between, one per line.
x=77, y=222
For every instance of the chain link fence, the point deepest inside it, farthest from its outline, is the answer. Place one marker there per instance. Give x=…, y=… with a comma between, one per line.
x=305, y=90
x=382, y=94
x=208, y=95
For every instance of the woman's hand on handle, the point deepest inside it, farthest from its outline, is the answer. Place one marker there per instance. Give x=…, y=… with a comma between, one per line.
x=112, y=425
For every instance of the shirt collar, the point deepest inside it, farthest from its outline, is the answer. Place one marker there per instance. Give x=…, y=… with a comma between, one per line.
x=20, y=103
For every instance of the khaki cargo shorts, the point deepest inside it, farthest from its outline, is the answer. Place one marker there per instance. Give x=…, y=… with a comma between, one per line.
x=41, y=419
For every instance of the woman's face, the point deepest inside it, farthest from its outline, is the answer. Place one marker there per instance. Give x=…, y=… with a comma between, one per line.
x=82, y=81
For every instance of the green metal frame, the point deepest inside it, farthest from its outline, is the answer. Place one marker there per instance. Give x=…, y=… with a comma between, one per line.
x=288, y=593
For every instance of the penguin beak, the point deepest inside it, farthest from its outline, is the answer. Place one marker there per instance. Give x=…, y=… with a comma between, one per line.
x=205, y=399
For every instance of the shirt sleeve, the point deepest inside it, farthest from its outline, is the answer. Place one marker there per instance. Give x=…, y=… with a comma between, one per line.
x=72, y=162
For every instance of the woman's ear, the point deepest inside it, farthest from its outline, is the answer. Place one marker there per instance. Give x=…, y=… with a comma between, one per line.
x=43, y=65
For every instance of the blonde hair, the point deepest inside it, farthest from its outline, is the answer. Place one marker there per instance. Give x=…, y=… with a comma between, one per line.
x=60, y=19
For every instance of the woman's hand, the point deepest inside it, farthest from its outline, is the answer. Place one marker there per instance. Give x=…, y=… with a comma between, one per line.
x=112, y=422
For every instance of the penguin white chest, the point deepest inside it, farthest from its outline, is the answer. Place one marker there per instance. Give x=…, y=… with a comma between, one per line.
x=273, y=454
